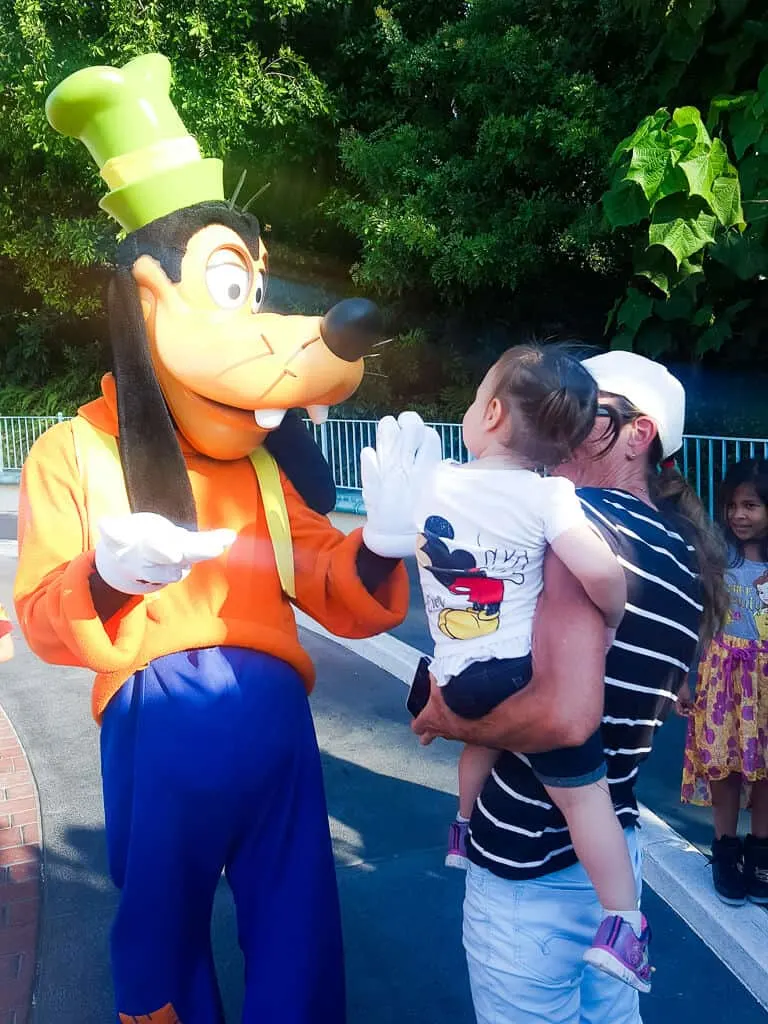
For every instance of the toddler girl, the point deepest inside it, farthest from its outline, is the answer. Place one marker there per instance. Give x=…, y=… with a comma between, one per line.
x=484, y=529
x=726, y=750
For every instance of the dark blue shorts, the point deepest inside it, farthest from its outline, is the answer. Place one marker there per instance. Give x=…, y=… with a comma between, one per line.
x=485, y=684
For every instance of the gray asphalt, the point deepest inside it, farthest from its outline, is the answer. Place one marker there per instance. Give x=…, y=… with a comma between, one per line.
x=389, y=804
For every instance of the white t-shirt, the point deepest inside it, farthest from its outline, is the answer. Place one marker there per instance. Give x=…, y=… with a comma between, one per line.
x=483, y=536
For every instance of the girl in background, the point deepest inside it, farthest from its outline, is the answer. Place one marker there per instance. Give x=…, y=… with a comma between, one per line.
x=726, y=752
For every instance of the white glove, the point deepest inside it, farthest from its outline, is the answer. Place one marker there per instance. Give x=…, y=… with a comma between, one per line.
x=392, y=477
x=143, y=552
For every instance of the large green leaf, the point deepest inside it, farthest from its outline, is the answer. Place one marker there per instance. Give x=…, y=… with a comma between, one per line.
x=753, y=175
x=703, y=166
x=724, y=105
x=609, y=320
x=654, y=339
x=719, y=158
x=654, y=167
x=625, y=204
x=682, y=226
x=654, y=122
x=695, y=12
x=658, y=266
x=726, y=202
x=634, y=309
x=681, y=305
x=746, y=129
x=690, y=117
x=704, y=316
x=699, y=173
x=743, y=254
x=713, y=339
x=624, y=341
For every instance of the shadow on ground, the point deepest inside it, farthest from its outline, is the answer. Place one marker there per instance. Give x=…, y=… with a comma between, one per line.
x=403, y=953
x=389, y=803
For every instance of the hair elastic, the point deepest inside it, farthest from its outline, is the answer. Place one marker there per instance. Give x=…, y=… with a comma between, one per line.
x=669, y=464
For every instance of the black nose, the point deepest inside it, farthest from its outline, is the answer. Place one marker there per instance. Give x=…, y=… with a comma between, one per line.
x=352, y=328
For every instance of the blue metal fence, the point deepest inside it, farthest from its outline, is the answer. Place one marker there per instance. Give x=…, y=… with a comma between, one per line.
x=704, y=459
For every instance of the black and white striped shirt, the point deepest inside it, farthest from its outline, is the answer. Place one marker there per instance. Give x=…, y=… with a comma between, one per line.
x=516, y=831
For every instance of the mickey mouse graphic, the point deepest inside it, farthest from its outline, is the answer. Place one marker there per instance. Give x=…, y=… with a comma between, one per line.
x=458, y=571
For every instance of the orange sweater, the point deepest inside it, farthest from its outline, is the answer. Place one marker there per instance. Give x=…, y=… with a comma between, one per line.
x=233, y=600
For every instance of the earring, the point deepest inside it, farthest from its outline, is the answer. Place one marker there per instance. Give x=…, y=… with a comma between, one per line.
x=631, y=455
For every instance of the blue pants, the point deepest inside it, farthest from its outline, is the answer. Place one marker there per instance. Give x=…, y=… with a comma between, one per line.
x=210, y=762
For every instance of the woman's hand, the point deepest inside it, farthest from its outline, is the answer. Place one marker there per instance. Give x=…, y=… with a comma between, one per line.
x=436, y=719
x=684, y=705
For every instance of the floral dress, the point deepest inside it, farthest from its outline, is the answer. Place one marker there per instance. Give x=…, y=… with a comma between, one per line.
x=728, y=729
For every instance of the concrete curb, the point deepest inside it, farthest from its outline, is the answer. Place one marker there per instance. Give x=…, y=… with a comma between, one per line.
x=672, y=867
x=681, y=876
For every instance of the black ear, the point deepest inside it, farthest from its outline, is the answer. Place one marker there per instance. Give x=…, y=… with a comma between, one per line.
x=153, y=465
x=302, y=461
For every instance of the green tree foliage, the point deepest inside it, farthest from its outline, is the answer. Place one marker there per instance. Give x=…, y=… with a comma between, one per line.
x=484, y=182
x=455, y=150
x=239, y=86
x=485, y=170
x=701, y=259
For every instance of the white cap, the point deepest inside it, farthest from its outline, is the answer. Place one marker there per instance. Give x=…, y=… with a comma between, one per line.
x=649, y=386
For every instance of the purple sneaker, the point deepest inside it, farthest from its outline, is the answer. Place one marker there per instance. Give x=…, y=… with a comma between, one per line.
x=457, y=846
x=618, y=951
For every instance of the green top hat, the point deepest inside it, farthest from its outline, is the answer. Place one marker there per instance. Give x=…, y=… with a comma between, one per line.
x=125, y=118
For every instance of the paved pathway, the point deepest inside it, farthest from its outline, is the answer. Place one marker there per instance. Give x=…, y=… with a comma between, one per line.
x=389, y=802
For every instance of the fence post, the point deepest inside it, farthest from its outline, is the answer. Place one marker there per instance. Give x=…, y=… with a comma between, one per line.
x=324, y=439
x=60, y=416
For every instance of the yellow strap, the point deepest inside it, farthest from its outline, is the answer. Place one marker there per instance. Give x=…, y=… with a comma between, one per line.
x=101, y=474
x=278, y=524
x=98, y=460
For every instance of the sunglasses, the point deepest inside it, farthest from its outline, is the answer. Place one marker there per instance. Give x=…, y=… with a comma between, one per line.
x=612, y=413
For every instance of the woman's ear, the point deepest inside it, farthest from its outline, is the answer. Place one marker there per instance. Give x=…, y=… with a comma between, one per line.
x=642, y=434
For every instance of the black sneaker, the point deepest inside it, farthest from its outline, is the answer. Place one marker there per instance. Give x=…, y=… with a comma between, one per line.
x=730, y=884
x=756, y=869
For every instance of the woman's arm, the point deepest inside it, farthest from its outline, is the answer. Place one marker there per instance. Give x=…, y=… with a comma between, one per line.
x=563, y=704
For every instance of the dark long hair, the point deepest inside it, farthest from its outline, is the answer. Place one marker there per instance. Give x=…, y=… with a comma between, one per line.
x=748, y=471
x=674, y=497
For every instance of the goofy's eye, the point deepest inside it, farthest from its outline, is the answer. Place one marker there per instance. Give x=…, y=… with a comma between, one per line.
x=228, y=279
x=259, y=291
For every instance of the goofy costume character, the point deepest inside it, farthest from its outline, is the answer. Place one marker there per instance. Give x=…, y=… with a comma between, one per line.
x=162, y=546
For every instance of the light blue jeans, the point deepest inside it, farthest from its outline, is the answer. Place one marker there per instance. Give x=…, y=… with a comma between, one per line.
x=525, y=941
